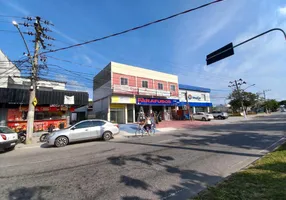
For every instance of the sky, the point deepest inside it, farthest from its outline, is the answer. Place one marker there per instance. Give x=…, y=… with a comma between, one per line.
x=178, y=46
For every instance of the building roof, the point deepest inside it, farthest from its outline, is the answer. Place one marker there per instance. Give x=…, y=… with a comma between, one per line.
x=43, y=79
x=193, y=88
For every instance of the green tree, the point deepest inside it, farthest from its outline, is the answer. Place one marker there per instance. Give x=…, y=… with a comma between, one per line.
x=281, y=103
x=249, y=99
x=272, y=105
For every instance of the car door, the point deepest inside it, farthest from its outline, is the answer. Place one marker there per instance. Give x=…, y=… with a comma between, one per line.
x=81, y=131
x=96, y=129
x=196, y=115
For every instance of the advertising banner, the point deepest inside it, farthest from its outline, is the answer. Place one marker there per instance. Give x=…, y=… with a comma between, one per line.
x=156, y=101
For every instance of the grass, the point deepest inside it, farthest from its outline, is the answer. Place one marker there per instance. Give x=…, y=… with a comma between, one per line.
x=265, y=179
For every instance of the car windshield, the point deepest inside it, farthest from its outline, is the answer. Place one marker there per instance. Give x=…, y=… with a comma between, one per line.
x=6, y=130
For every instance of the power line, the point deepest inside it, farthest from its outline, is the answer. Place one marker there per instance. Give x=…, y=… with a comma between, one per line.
x=136, y=28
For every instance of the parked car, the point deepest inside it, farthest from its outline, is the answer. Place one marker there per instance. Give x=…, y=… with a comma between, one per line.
x=219, y=115
x=8, y=138
x=203, y=116
x=84, y=130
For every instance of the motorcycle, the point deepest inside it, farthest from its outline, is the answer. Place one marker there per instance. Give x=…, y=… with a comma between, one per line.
x=22, y=136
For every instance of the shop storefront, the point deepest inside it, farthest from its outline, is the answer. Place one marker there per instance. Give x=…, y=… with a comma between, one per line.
x=54, y=107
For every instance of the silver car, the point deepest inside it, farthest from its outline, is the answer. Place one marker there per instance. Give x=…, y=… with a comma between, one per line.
x=84, y=130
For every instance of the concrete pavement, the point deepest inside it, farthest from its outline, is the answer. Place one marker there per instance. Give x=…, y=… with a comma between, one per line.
x=176, y=165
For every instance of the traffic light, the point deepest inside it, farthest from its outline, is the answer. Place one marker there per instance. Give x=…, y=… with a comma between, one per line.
x=220, y=54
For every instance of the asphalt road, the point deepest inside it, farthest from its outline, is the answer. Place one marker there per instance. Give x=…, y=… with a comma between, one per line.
x=176, y=165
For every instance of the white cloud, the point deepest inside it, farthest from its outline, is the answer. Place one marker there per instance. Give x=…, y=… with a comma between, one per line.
x=282, y=10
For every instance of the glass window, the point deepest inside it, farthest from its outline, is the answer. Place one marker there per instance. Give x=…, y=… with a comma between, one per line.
x=160, y=86
x=83, y=125
x=145, y=84
x=98, y=123
x=173, y=88
x=6, y=130
x=124, y=81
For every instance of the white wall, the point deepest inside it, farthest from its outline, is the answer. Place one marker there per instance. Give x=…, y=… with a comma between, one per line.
x=16, y=82
x=7, y=68
x=196, y=96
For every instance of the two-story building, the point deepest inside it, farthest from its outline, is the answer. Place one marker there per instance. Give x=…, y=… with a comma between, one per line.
x=119, y=91
x=197, y=97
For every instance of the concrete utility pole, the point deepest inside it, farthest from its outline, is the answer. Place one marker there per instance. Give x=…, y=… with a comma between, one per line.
x=188, y=106
x=236, y=84
x=33, y=99
x=264, y=94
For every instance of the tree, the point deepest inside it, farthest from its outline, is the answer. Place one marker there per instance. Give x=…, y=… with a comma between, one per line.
x=281, y=103
x=272, y=105
x=249, y=99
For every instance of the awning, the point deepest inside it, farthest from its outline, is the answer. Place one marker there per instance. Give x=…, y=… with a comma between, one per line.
x=196, y=104
x=57, y=97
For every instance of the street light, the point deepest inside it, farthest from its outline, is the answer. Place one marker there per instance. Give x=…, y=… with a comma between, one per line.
x=248, y=87
x=26, y=45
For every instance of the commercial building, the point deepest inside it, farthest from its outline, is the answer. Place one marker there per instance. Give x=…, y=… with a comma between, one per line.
x=197, y=97
x=119, y=91
x=54, y=102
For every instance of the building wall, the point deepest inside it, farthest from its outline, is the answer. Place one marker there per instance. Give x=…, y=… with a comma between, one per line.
x=7, y=68
x=102, y=91
x=25, y=83
x=102, y=77
x=136, y=75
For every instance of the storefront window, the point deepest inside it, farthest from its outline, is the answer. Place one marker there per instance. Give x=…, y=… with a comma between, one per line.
x=117, y=115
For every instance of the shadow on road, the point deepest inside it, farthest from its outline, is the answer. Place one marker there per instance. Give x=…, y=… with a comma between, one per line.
x=188, y=178
x=29, y=193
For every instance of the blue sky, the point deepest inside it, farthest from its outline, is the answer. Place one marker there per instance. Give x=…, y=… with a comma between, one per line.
x=177, y=46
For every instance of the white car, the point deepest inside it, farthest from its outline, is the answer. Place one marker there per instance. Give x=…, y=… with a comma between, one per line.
x=84, y=130
x=203, y=116
x=8, y=138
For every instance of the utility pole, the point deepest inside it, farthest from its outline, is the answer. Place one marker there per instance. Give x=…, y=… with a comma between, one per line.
x=237, y=84
x=264, y=94
x=33, y=100
x=188, y=106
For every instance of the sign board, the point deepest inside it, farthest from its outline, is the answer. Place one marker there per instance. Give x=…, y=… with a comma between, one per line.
x=194, y=96
x=156, y=101
x=123, y=99
x=163, y=93
x=124, y=89
x=146, y=91
x=35, y=101
x=68, y=100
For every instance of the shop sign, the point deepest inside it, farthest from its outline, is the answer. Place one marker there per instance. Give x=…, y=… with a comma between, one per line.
x=69, y=100
x=194, y=97
x=122, y=99
x=125, y=89
x=146, y=91
x=163, y=93
x=155, y=101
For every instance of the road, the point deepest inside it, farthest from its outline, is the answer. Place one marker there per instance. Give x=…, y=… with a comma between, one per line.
x=176, y=165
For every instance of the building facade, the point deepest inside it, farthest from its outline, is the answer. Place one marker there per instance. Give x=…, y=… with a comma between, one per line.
x=120, y=91
x=198, y=98
x=54, y=102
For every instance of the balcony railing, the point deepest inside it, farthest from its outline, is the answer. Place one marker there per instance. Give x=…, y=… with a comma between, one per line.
x=124, y=89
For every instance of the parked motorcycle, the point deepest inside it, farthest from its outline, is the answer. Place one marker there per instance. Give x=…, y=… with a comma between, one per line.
x=44, y=137
x=22, y=136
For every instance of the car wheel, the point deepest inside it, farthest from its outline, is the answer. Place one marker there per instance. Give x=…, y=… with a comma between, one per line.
x=107, y=136
x=219, y=117
x=61, y=141
x=204, y=119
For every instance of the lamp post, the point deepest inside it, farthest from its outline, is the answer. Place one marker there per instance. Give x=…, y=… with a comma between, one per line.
x=26, y=45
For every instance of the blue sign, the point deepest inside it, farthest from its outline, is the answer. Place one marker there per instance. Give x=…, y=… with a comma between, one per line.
x=155, y=101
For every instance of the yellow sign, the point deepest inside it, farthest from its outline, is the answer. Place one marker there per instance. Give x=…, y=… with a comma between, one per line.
x=120, y=106
x=35, y=101
x=123, y=99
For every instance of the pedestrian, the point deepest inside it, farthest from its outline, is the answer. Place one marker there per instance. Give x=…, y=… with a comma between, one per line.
x=148, y=124
x=51, y=128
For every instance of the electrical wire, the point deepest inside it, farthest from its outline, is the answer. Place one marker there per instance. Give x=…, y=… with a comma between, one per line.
x=136, y=28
